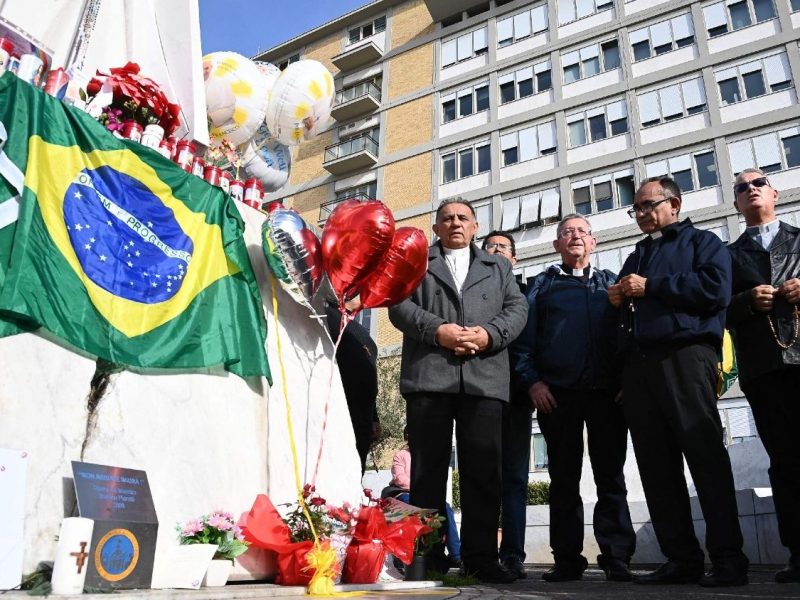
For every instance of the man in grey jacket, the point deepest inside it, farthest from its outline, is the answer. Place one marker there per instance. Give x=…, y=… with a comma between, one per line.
x=456, y=328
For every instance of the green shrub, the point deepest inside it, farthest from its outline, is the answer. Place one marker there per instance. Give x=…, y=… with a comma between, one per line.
x=538, y=493
x=456, y=492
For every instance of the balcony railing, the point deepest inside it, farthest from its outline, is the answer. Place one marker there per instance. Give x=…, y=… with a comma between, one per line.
x=365, y=88
x=327, y=208
x=354, y=153
x=355, y=101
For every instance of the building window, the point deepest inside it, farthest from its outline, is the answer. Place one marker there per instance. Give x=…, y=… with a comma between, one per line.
x=521, y=26
x=722, y=17
x=590, y=60
x=364, y=31
x=366, y=191
x=466, y=161
x=603, y=192
x=794, y=5
x=753, y=79
x=662, y=37
x=538, y=452
x=572, y=10
x=285, y=63
x=525, y=82
x=483, y=213
x=465, y=102
x=527, y=144
x=693, y=171
x=775, y=151
x=464, y=47
x=534, y=208
x=597, y=124
x=672, y=102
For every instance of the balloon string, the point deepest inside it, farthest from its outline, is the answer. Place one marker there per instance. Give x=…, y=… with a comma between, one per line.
x=346, y=318
x=284, y=385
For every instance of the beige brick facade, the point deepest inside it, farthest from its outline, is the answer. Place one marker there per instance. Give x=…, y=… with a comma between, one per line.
x=324, y=50
x=407, y=182
x=307, y=159
x=387, y=334
x=410, y=20
x=399, y=133
x=307, y=203
x=411, y=71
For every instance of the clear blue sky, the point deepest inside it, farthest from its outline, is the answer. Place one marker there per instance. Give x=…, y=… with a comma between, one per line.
x=251, y=26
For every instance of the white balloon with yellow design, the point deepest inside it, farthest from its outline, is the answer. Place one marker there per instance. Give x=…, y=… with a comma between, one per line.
x=266, y=159
x=237, y=93
x=300, y=103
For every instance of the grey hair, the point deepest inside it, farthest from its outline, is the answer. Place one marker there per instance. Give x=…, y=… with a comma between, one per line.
x=455, y=200
x=746, y=171
x=570, y=217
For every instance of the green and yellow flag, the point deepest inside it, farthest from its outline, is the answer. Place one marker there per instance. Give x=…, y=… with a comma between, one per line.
x=118, y=251
x=727, y=369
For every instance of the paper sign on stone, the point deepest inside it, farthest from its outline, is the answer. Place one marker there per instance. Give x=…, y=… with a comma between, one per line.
x=182, y=566
x=13, y=467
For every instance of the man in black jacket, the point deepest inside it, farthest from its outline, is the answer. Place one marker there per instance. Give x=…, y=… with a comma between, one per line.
x=763, y=318
x=517, y=417
x=563, y=361
x=673, y=292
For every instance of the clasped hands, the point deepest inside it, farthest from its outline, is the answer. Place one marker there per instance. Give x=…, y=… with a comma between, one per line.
x=762, y=297
x=463, y=341
x=630, y=286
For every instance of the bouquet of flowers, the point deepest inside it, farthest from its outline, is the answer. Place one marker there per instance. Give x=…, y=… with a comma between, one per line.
x=218, y=528
x=137, y=98
x=327, y=519
x=429, y=538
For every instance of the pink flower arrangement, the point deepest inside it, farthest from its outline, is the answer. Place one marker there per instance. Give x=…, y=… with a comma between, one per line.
x=218, y=528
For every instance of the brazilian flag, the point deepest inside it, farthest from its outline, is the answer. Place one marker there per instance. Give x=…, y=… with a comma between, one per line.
x=119, y=252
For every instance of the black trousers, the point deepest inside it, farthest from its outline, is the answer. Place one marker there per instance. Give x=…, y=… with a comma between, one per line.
x=776, y=409
x=608, y=443
x=671, y=407
x=478, y=423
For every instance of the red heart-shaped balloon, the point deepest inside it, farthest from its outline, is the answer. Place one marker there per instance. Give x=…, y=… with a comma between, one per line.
x=401, y=271
x=354, y=240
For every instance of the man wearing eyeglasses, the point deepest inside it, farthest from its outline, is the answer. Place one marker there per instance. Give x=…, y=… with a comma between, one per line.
x=456, y=329
x=564, y=360
x=765, y=324
x=672, y=293
x=516, y=455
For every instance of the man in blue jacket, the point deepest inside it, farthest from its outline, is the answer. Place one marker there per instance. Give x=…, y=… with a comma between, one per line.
x=672, y=293
x=456, y=329
x=564, y=360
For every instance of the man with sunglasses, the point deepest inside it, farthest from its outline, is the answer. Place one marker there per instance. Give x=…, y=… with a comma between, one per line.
x=764, y=321
x=672, y=294
x=517, y=417
x=563, y=358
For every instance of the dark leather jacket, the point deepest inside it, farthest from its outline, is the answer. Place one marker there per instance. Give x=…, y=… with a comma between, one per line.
x=757, y=352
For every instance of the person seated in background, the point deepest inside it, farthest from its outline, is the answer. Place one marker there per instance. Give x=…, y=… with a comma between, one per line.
x=399, y=487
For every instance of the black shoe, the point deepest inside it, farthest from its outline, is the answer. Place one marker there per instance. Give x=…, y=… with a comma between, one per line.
x=672, y=572
x=725, y=576
x=515, y=565
x=566, y=570
x=791, y=574
x=615, y=569
x=491, y=572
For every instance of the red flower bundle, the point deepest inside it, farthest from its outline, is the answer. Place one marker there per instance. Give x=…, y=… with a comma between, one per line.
x=148, y=99
x=373, y=538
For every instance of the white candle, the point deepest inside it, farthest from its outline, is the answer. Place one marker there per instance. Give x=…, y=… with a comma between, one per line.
x=72, y=555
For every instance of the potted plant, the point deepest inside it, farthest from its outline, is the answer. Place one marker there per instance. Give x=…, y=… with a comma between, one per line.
x=424, y=544
x=218, y=529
